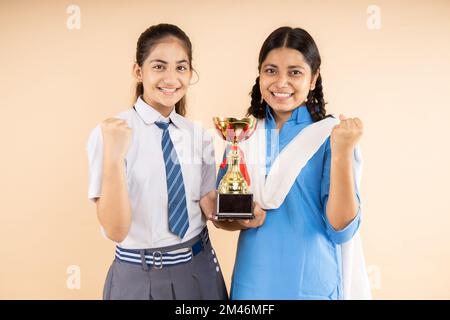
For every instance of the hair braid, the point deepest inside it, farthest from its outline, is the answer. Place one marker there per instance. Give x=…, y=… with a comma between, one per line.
x=257, y=107
x=316, y=102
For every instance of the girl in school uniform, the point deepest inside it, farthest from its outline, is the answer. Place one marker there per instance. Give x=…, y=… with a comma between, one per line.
x=308, y=205
x=152, y=176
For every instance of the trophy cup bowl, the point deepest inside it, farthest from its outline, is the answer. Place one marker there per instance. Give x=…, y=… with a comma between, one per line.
x=234, y=200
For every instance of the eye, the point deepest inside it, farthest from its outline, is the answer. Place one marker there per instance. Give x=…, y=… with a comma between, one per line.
x=182, y=68
x=158, y=67
x=296, y=73
x=270, y=70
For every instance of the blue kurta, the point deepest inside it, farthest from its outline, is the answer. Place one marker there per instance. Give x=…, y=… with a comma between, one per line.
x=296, y=253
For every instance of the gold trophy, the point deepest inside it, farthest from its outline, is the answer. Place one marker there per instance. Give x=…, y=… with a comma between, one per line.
x=234, y=200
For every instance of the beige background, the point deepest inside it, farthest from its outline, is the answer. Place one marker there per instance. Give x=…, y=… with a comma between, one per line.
x=57, y=84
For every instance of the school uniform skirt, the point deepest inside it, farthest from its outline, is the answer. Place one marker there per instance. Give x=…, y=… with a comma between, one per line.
x=186, y=271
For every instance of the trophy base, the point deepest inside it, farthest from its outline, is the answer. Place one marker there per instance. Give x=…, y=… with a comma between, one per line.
x=234, y=206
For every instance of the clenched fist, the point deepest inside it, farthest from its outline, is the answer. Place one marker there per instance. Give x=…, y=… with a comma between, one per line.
x=116, y=138
x=346, y=135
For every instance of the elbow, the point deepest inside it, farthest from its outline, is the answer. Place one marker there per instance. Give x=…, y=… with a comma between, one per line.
x=115, y=238
x=339, y=225
x=116, y=234
x=339, y=221
x=340, y=233
x=115, y=224
x=115, y=230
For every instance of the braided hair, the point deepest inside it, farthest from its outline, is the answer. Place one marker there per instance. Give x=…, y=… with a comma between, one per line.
x=298, y=39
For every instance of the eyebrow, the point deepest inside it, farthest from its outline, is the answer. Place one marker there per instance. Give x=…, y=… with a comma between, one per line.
x=289, y=67
x=294, y=67
x=165, y=62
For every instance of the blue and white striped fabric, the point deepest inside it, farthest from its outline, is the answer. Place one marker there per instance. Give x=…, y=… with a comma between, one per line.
x=156, y=259
x=178, y=215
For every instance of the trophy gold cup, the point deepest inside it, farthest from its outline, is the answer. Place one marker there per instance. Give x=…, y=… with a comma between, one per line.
x=234, y=201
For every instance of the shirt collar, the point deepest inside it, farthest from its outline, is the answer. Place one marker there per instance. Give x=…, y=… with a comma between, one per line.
x=149, y=115
x=299, y=114
x=302, y=114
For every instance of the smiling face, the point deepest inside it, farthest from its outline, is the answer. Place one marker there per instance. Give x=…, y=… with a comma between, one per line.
x=165, y=74
x=285, y=80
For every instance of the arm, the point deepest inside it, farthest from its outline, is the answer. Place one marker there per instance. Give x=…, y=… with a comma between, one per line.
x=113, y=206
x=342, y=205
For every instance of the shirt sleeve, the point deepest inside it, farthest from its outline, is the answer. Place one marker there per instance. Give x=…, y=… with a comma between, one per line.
x=94, y=150
x=208, y=165
x=346, y=234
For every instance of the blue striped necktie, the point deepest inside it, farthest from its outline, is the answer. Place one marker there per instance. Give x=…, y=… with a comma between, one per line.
x=178, y=215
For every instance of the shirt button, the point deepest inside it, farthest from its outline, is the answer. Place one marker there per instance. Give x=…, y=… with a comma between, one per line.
x=217, y=269
x=212, y=251
x=215, y=260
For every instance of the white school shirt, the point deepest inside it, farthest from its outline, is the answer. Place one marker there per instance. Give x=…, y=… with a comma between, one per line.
x=146, y=174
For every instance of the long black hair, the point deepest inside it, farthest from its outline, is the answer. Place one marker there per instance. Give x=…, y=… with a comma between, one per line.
x=150, y=38
x=298, y=39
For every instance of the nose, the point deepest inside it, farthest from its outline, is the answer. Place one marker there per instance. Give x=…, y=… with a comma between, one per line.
x=170, y=77
x=281, y=81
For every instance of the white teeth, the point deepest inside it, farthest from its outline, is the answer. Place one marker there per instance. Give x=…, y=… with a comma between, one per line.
x=282, y=95
x=168, y=90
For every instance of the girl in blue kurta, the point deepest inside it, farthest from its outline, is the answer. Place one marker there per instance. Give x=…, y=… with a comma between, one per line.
x=293, y=252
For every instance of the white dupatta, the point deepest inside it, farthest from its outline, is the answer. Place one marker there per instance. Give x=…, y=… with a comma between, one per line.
x=271, y=192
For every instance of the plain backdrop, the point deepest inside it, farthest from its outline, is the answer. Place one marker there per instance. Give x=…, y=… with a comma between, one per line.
x=58, y=81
